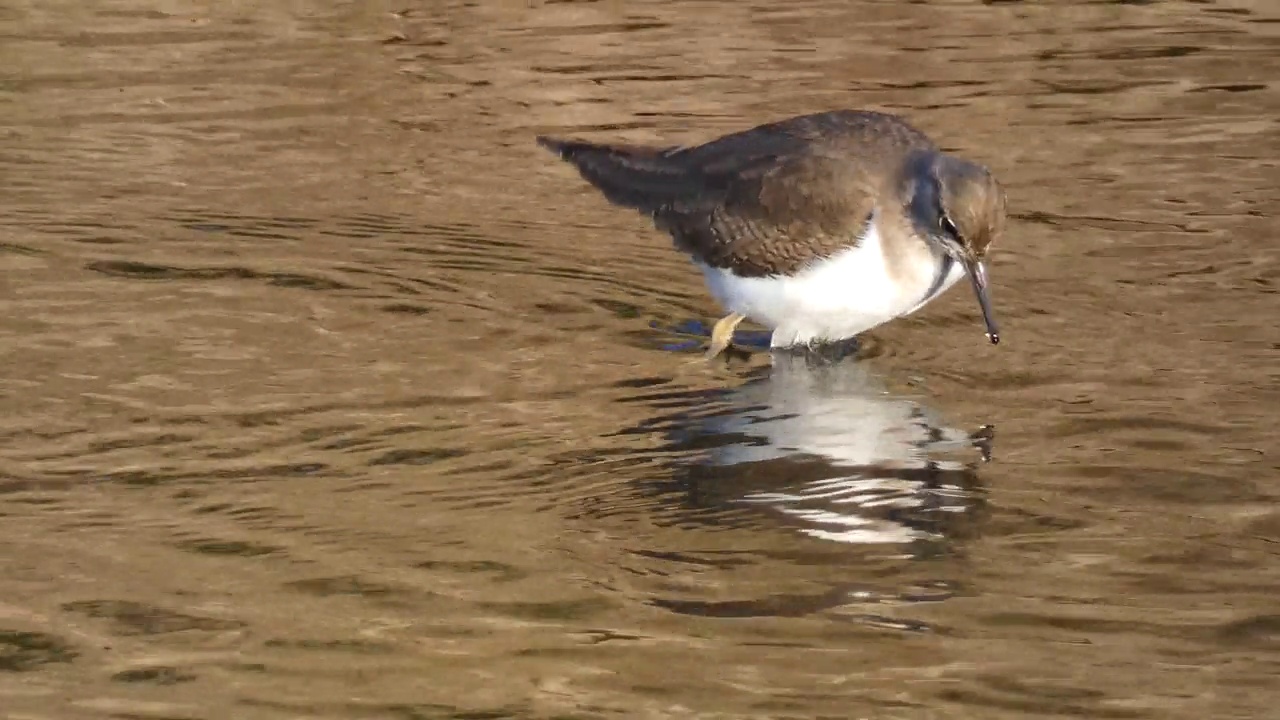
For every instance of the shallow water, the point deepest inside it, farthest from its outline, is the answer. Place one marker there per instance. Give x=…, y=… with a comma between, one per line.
x=328, y=394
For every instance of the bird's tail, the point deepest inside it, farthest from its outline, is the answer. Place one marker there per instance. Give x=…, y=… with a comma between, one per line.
x=644, y=178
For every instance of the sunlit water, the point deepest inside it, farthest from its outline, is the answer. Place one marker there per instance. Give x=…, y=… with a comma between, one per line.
x=328, y=394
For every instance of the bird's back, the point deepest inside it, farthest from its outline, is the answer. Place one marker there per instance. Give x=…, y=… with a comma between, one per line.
x=761, y=200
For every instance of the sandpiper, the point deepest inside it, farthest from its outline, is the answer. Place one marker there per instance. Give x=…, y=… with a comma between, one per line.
x=819, y=226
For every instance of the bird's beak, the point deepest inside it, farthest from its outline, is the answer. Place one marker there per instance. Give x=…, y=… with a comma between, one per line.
x=978, y=275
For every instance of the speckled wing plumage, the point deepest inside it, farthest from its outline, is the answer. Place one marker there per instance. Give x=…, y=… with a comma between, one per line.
x=760, y=202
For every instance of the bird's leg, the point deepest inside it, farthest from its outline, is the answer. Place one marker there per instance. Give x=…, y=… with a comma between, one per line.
x=722, y=334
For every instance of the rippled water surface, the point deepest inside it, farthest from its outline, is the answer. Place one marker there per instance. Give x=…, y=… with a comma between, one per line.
x=327, y=394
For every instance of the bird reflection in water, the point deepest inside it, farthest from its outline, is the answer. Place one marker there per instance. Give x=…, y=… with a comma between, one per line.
x=817, y=443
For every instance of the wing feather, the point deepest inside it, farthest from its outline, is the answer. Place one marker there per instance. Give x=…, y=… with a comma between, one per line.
x=763, y=201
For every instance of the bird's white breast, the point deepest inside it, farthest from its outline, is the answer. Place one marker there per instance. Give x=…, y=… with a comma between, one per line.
x=839, y=296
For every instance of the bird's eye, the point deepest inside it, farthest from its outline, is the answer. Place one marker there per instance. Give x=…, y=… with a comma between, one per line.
x=948, y=227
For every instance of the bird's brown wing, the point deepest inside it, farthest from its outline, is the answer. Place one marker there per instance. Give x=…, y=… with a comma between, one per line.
x=773, y=215
x=760, y=202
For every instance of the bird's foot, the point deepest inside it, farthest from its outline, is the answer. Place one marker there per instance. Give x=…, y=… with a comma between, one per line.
x=722, y=335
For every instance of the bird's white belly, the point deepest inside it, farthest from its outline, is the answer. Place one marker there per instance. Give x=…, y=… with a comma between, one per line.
x=835, y=298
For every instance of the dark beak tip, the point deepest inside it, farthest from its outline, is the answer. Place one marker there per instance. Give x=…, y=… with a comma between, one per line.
x=994, y=338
